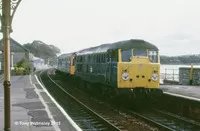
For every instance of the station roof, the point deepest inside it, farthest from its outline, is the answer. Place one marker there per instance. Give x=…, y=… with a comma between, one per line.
x=14, y=46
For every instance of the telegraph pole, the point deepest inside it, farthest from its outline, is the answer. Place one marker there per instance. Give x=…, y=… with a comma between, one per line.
x=8, y=8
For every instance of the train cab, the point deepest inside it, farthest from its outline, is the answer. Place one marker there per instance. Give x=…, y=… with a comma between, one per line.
x=138, y=68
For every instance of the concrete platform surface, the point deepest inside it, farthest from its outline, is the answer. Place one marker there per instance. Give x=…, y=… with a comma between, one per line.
x=31, y=107
x=189, y=92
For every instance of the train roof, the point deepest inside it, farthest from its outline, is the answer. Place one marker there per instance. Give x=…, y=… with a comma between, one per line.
x=127, y=44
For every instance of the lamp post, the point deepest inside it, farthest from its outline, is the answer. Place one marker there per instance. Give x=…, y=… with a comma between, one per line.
x=1, y=60
x=8, y=8
x=12, y=65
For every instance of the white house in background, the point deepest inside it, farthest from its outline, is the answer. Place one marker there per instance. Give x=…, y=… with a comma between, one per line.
x=37, y=62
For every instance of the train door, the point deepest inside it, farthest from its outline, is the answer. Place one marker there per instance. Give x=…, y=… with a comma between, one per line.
x=108, y=67
x=111, y=67
x=72, y=67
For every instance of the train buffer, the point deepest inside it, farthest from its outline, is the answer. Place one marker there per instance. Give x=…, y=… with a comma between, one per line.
x=32, y=108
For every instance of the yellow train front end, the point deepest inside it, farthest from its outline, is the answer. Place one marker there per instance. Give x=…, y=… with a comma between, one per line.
x=72, y=66
x=138, y=70
x=138, y=73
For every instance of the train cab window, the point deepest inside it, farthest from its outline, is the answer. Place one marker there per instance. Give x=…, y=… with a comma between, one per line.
x=126, y=55
x=153, y=56
x=139, y=52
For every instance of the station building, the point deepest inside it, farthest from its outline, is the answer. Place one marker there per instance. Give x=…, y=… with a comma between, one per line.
x=17, y=52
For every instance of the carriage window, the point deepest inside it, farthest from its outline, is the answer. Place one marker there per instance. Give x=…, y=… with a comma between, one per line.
x=137, y=52
x=114, y=56
x=153, y=56
x=88, y=58
x=126, y=55
x=95, y=59
x=98, y=58
x=60, y=62
x=92, y=58
x=77, y=59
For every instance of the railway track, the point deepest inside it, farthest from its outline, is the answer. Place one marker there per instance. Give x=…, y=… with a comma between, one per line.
x=86, y=118
x=167, y=121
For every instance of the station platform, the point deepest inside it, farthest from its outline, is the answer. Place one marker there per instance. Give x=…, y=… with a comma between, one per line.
x=184, y=91
x=33, y=108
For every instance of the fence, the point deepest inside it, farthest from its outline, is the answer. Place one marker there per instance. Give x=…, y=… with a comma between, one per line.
x=170, y=74
x=183, y=75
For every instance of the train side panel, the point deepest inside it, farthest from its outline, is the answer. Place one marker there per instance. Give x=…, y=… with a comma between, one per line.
x=111, y=74
x=90, y=69
x=66, y=64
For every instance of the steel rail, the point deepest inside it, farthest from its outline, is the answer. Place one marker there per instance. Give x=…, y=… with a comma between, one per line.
x=167, y=121
x=106, y=123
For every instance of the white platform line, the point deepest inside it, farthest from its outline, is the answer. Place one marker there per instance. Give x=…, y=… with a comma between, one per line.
x=60, y=108
x=183, y=96
x=2, y=77
x=46, y=106
x=30, y=80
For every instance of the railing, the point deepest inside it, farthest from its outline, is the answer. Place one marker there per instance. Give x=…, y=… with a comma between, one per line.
x=170, y=74
x=183, y=75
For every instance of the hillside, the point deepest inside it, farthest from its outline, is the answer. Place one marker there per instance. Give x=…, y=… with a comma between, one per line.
x=185, y=59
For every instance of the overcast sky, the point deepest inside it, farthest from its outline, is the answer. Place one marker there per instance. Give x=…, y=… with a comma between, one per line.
x=71, y=25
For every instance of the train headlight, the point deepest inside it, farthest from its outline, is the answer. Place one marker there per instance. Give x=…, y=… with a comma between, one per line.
x=125, y=76
x=154, y=77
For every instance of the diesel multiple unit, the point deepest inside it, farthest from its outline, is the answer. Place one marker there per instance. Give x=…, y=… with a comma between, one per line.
x=132, y=65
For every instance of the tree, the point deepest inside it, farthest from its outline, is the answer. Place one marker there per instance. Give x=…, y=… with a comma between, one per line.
x=42, y=50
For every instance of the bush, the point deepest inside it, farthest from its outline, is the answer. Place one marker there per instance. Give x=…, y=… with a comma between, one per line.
x=23, y=67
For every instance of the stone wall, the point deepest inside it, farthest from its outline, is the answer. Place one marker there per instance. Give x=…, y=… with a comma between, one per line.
x=184, y=76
